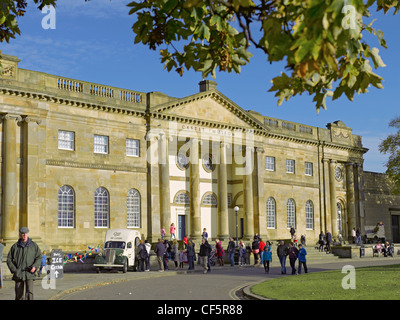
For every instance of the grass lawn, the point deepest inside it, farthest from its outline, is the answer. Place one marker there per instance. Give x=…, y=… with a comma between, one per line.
x=372, y=283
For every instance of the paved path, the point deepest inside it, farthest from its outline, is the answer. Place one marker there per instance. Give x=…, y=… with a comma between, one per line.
x=221, y=283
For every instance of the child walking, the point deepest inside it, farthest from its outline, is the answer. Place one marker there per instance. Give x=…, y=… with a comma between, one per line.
x=266, y=258
x=302, y=258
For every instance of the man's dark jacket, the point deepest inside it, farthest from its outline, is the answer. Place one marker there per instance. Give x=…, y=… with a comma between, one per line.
x=21, y=257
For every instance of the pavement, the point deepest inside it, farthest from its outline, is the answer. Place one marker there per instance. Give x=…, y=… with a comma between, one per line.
x=75, y=281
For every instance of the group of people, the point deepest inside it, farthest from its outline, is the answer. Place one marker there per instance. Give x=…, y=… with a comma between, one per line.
x=283, y=251
x=325, y=240
x=385, y=248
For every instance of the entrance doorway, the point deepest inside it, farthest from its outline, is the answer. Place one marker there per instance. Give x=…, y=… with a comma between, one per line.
x=181, y=226
x=396, y=228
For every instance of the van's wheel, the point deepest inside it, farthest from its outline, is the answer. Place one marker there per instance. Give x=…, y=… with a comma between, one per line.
x=125, y=268
x=98, y=270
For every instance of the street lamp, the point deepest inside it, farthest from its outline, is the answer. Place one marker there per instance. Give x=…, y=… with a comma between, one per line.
x=236, y=208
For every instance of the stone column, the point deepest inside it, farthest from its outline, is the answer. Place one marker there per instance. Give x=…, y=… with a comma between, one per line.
x=258, y=175
x=165, y=210
x=327, y=198
x=351, y=200
x=248, y=195
x=10, y=215
x=223, y=220
x=195, y=213
x=30, y=212
x=332, y=187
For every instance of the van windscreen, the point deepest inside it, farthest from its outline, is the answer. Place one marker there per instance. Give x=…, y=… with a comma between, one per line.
x=115, y=245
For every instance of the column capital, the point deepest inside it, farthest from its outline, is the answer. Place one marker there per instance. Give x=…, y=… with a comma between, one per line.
x=10, y=116
x=259, y=149
x=30, y=119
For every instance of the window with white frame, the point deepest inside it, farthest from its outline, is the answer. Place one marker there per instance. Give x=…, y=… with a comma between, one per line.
x=133, y=208
x=66, y=140
x=339, y=216
x=132, y=147
x=309, y=215
x=100, y=144
x=66, y=207
x=101, y=208
x=308, y=169
x=291, y=213
x=290, y=166
x=270, y=163
x=271, y=213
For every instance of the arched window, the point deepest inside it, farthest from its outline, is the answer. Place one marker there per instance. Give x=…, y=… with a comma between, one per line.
x=101, y=208
x=291, y=213
x=271, y=213
x=309, y=215
x=133, y=208
x=209, y=199
x=182, y=197
x=66, y=207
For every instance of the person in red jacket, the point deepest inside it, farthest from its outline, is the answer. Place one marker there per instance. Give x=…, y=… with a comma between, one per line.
x=261, y=246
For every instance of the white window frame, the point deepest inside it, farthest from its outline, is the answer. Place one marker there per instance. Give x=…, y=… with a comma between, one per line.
x=66, y=140
x=101, y=208
x=291, y=213
x=309, y=215
x=132, y=147
x=271, y=213
x=290, y=166
x=66, y=207
x=133, y=208
x=100, y=146
x=270, y=163
x=308, y=169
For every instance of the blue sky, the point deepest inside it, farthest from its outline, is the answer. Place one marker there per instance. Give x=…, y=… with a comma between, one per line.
x=93, y=41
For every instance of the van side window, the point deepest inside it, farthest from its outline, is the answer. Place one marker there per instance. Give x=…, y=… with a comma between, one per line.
x=129, y=245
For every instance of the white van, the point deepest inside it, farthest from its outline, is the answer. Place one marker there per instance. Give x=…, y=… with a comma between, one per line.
x=119, y=250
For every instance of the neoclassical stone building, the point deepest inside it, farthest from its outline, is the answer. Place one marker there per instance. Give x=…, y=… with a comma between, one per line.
x=79, y=158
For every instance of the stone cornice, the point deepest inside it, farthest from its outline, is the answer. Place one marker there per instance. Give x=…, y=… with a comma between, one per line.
x=73, y=164
x=68, y=101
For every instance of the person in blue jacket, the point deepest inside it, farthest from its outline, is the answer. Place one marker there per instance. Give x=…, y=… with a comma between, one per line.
x=266, y=258
x=302, y=259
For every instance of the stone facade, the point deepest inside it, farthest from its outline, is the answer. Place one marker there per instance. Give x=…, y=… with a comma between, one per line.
x=79, y=158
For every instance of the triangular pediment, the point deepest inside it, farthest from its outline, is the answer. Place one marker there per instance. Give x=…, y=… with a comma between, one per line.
x=211, y=107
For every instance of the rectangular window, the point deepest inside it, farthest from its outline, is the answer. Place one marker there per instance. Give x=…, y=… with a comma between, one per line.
x=290, y=166
x=66, y=140
x=308, y=169
x=270, y=163
x=132, y=147
x=101, y=144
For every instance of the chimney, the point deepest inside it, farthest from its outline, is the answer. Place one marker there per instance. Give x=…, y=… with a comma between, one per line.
x=207, y=85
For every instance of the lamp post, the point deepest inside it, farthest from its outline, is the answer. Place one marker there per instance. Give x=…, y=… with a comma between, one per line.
x=236, y=208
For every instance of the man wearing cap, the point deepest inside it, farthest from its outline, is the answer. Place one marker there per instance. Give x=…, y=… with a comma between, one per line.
x=23, y=260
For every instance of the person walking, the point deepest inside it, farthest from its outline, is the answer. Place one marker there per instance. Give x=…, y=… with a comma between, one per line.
x=219, y=252
x=293, y=253
x=43, y=263
x=147, y=245
x=292, y=232
x=23, y=260
x=231, y=251
x=282, y=252
x=242, y=254
x=191, y=254
x=321, y=241
x=302, y=259
x=159, y=250
x=142, y=254
x=255, y=247
x=266, y=257
x=204, y=253
x=172, y=230
x=328, y=242
x=175, y=253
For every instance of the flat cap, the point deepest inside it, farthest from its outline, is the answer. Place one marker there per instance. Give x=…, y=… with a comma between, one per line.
x=24, y=230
